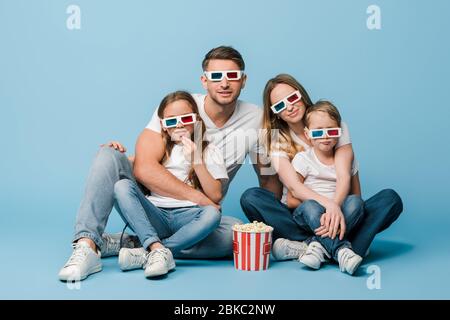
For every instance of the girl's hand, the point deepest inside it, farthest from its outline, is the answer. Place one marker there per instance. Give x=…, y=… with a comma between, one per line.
x=190, y=151
x=116, y=145
x=188, y=148
x=332, y=222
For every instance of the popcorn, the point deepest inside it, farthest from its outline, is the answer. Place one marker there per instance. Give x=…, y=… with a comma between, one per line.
x=252, y=243
x=255, y=226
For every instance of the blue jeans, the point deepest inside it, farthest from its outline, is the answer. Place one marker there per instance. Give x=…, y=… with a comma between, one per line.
x=380, y=211
x=175, y=228
x=109, y=167
x=307, y=216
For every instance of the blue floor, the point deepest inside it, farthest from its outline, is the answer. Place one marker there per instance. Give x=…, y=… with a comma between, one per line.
x=413, y=265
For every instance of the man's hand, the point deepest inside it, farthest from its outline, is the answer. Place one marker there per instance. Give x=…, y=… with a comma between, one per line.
x=116, y=145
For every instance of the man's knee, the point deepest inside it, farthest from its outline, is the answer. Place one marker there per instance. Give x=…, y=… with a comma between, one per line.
x=123, y=188
x=108, y=154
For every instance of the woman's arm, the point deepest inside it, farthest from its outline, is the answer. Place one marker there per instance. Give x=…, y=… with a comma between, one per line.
x=289, y=177
x=293, y=202
x=343, y=159
x=356, y=185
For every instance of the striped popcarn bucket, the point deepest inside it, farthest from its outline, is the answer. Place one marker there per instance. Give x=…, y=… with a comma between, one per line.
x=251, y=249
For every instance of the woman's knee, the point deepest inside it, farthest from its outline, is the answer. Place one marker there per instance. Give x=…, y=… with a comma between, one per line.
x=393, y=196
x=251, y=196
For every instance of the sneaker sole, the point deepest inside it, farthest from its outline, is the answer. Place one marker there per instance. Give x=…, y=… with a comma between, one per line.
x=309, y=265
x=84, y=276
x=157, y=274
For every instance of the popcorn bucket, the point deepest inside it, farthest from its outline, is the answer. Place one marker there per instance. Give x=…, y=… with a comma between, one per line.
x=251, y=249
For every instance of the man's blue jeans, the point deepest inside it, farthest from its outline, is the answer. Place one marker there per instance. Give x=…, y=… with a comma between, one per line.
x=380, y=211
x=175, y=228
x=110, y=166
x=307, y=216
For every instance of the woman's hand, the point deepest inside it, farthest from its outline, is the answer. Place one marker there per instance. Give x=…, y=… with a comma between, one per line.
x=116, y=145
x=332, y=222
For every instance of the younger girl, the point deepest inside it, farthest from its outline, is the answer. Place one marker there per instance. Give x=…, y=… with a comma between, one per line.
x=317, y=171
x=166, y=224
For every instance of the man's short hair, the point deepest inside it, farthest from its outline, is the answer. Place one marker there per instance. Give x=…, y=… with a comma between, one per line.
x=224, y=53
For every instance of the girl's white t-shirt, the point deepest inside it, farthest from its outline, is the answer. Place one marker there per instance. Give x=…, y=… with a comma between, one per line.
x=319, y=177
x=180, y=167
x=343, y=140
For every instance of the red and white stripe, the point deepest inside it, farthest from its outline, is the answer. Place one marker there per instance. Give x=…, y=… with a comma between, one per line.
x=251, y=250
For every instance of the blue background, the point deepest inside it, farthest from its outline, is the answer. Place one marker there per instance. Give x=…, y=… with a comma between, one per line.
x=63, y=93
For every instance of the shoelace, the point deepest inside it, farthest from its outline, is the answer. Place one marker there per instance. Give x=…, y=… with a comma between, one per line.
x=78, y=255
x=156, y=255
x=292, y=250
x=112, y=245
x=138, y=258
x=316, y=251
x=345, y=256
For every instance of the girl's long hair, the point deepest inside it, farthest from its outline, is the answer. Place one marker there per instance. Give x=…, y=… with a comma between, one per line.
x=168, y=143
x=272, y=121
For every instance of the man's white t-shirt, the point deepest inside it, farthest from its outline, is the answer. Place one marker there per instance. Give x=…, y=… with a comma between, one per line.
x=319, y=177
x=180, y=167
x=343, y=140
x=236, y=139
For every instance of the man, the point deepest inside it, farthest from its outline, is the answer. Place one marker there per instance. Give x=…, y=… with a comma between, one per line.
x=232, y=125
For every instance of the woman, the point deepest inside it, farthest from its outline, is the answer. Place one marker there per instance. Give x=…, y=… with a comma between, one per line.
x=285, y=103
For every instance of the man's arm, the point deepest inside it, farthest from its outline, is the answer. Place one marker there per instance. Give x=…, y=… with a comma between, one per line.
x=155, y=177
x=267, y=179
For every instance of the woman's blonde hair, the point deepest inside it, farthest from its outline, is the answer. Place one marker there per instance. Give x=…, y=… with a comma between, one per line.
x=271, y=121
x=169, y=144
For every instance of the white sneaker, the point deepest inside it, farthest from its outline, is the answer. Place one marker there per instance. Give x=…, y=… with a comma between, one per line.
x=111, y=243
x=314, y=256
x=130, y=259
x=348, y=260
x=83, y=262
x=284, y=249
x=159, y=262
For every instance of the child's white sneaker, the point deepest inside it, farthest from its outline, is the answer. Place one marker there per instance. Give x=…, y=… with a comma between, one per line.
x=130, y=259
x=284, y=249
x=159, y=262
x=83, y=262
x=348, y=260
x=111, y=243
x=314, y=256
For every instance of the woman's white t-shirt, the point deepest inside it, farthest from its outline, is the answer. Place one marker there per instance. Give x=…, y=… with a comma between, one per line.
x=180, y=167
x=343, y=140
